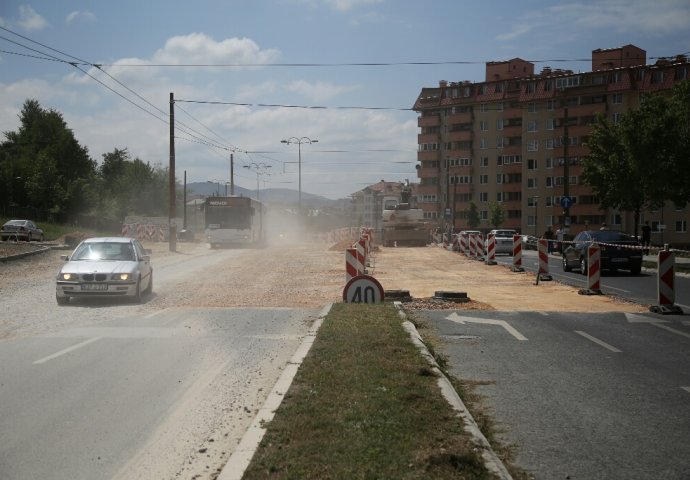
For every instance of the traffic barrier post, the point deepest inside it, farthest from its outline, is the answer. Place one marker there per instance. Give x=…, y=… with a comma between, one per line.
x=491, y=250
x=593, y=271
x=350, y=264
x=666, y=284
x=517, y=254
x=543, y=271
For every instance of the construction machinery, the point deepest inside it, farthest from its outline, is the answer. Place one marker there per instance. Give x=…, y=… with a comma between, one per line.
x=403, y=223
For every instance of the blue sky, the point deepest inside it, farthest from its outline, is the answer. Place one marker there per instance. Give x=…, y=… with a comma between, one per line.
x=356, y=146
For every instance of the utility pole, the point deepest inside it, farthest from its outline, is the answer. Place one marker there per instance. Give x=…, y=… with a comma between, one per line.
x=232, y=174
x=172, y=241
x=566, y=171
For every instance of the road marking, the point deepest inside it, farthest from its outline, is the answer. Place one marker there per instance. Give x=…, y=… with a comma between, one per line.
x=657, y=322
x=66, y=350
x=687, y=389
x=150, y=315
x=454, y=317
x=598, y=342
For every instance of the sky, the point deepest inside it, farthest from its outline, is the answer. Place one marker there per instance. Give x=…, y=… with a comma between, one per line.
x=246, y=74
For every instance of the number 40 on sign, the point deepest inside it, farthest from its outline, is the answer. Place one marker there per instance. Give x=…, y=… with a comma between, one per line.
x=363, y=289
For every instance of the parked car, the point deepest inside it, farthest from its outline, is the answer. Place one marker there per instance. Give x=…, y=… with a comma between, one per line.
x=529, y=242
x=105, y=267
x=21, y=230
x=619, y=251
x=504, y=241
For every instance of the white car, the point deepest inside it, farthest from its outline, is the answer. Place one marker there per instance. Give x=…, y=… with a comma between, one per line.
x=105, y=267
x=504, y=241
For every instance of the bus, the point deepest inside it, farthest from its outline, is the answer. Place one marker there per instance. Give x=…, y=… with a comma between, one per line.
x=234, y=221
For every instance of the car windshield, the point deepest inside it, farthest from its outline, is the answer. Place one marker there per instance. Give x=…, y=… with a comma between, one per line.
x=104, y=251
x=16, y=222
x=608, y=236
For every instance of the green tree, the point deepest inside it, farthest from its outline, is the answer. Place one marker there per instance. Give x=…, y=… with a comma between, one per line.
x=496, y=214
x=47, y=168
x=637, y=164
x=472, y=214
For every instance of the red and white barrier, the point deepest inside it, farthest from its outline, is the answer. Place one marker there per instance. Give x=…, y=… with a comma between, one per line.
x=350, y=264
x=543, y=272
x=666, y=284
x=491, y=250
x=517, y=254
x=463, y=243
x=360, y=247
x=593, y=271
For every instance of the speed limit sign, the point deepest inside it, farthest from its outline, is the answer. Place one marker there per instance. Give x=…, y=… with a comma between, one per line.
x=363, y=289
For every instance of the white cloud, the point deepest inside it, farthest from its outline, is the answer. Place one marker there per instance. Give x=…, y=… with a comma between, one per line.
x=30, y=20
x=199, y=48
x=79, y=16
x=319, y=91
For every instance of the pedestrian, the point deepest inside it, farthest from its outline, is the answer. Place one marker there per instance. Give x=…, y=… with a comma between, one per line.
x=646, y=237
x=548, y=235
x=559, y=238
x=604, y=226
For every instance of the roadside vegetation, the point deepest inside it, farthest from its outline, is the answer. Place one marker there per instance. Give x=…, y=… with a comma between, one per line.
x=54, y=231
x=365, y=404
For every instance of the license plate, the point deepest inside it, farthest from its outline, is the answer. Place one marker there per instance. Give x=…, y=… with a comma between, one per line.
x=94, y=287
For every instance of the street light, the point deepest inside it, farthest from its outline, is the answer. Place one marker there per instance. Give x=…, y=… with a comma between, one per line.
x=257, y=167
x=299, y=142
x=535, y=199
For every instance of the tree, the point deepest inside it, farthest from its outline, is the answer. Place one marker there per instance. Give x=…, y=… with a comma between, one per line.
x=472, y=213
x=496, y=214
x=637, y=163
x=47, y=168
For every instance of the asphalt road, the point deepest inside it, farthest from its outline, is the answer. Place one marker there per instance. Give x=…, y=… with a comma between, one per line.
x=641, y=288
x=580, y=396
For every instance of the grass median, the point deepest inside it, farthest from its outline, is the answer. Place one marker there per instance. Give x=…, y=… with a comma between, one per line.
x=365, y=404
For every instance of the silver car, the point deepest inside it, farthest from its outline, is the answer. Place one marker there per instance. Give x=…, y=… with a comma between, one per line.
x=504, y=241
x=105, y=267
x=21, y=230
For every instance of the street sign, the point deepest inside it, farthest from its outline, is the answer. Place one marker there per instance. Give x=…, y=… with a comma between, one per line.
x=566, y=202
x=363, y=289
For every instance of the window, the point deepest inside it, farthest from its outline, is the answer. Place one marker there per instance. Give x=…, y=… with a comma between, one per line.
x=549, y=143
x=681, y=226
x=617, y=98
x=550, y=122
x=483, y=197
x=531, y=87
x=483, y=179
x=499, y=178
x=567, y=82
x=658, y=76
x=549, y=162
x=482, y=143
x=499, y=142
x=532, y=107
x=531, y=183
x=533, y=146
x=549, y=182
x=532, y=201
x=499, y=124
x=616, y=77
x=484, y=162
x=532, y=126
x=483, y=126
x=681, y=73
x=531, y=221
x=616, y=118
x=483, y=89
x=499, y=196
x=531, y=164
x=498, y=88
x=483, y=107
x=551, y=105
x=499, y=107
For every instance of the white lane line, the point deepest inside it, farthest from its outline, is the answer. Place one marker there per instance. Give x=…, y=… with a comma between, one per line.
x=598, y=342
x=672, y=330
x=150, y=315
x=687, y=389
x=66, y=350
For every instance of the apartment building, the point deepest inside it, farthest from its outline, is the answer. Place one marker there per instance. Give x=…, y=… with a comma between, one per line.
x=368, y=203
x=519, y=137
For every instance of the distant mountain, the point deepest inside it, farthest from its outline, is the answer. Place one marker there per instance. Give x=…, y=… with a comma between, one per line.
x=279, y=196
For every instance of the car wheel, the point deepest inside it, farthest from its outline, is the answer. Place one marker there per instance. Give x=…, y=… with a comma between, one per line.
x=29, y=238
x=149, y=288
x=41, y=238
x=62, y=300
x=583, y=266
x=566, y=267
x=138, y=295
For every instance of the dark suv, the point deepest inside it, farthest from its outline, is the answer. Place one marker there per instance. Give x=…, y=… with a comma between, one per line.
x=618, y=251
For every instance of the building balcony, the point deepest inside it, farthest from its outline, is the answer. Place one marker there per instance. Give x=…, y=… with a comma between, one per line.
x=458, y=136
x=459, y=118
x=429, y=155
x=427, y=173
x=428, y=138
x=429, y=121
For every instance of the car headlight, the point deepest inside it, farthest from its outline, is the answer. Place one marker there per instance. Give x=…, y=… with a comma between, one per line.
x=67, y=276
x=122, y=276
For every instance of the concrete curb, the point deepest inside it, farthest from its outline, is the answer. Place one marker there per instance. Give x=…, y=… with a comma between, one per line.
x=242, y=456
x=491, y=460
x=9, y=258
